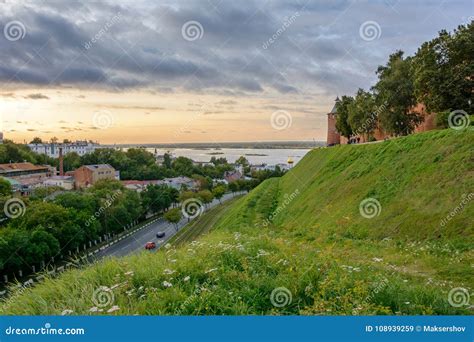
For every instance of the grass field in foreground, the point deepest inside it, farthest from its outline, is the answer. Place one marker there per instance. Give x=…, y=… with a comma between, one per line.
x=317, y=254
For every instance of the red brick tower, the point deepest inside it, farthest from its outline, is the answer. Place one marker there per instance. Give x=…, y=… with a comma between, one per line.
x=333, y=136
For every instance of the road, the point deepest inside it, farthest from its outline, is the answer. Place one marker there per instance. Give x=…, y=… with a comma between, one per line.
x=136, y=242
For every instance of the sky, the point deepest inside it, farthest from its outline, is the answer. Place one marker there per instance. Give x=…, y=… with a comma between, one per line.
x=198, y=71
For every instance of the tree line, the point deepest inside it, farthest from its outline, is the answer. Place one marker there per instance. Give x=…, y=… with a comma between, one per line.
x=439, y=76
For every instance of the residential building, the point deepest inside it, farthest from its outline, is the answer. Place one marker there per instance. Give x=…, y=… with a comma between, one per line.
x=181, y=182
x=25, y=170
x=52, y=149
x=88, y=175
x=65, y=182
x=25, y=177
x=232, y=176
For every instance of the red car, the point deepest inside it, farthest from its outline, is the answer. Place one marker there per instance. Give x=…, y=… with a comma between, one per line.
x=150, y=245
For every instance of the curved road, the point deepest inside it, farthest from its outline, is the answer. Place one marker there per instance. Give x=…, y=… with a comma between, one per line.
x=136, y=242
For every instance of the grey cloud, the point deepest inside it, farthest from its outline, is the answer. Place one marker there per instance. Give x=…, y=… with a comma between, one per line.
x=321, y=52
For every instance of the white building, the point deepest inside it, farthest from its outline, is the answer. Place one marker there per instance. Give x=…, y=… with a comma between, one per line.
x=52, y=149
x=65, y=182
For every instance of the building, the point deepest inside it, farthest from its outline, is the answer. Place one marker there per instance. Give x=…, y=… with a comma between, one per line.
x=88, y=175
x=177, y=183
x=139, y=185
x=180, y=183
x=52, y=149
x=25, y=177
x=334, y=138
x=65, y=182
x=25, y=170
x=232, y=176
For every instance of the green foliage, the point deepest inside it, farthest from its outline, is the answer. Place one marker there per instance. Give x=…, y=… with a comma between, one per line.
x=395, y=96
x=443, y=69
x=205, y=196
x=173, y=216
x=5, y=187
x=342, y=119
x=219, y=191
x=317, y=244
x=362, y=113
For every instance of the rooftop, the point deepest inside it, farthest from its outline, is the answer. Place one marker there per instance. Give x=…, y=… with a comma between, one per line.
x=21, y=167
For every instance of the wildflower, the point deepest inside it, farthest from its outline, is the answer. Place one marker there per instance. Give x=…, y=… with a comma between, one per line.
x=186, y=278
x=377, y=259
x=211, y=270
x=167, y=246
x=66, y=312
x=113, y=308
x=130, y=273
x=94, y=309
x=168, y=271
x=167, y=284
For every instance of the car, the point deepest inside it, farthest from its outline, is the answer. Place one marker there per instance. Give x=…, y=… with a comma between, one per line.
x=150, y=245
x=160, y=235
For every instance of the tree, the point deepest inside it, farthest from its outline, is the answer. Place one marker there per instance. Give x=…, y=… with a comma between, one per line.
x=395, y=96
x=204, y=182
x=156, y=198
x=242, y=161
x=205, y=196
x=443, y=69
x=72, y=161
x=36, y=140
x=342, y=118
x=362, y=117
x=5, y=187
x=218, y=192
x=173, y=216
x=234, y=187
x=183, y=166
x=167, y=160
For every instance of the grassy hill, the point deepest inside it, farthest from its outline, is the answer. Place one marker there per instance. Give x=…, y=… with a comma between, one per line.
x=302, y=244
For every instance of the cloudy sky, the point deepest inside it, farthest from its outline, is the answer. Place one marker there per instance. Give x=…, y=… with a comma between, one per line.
x=190, y=71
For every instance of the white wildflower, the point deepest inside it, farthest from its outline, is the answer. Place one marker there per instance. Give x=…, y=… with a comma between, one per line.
x=66, y=312
x=167, y=284
x=113, y=308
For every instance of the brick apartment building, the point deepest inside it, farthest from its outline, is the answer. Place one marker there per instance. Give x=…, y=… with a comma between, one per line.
x=88, y=175
x=334, y=138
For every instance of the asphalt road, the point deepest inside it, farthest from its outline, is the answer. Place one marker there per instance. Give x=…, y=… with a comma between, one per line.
x=136, y=242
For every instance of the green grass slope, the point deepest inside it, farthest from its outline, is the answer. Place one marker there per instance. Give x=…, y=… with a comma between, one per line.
x=299, y=244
